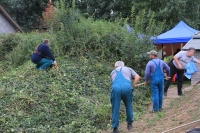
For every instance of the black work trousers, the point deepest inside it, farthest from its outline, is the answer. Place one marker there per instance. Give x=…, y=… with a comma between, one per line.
x=179, y=72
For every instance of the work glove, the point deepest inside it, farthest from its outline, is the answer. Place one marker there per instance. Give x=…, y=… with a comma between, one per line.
x=55, y=63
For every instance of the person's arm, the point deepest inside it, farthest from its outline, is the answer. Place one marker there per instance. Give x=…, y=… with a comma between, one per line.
x=195, y=60
x=147, y=73
x=136, y=79
x=177, y=62
x=166, y=67
x=48, y=53
x=134, y=76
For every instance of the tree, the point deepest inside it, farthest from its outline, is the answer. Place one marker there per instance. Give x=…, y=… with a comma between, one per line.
x=172, y=11
x=25, y=12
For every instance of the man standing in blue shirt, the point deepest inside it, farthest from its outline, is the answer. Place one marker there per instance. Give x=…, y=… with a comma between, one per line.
x=42, y=56
x=154, y=71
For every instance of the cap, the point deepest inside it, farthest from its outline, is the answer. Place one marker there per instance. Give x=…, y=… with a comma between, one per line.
x=153, y=52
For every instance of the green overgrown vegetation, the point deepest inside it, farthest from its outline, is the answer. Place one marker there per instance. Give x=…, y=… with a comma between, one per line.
x=75, y=97
x=26, y=12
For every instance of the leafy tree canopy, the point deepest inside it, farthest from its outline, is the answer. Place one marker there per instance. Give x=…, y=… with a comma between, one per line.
x=171, y=11
x=25, y=12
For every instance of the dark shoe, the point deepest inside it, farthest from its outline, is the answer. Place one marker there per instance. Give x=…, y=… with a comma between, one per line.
x=165, y=93
x=181, y=94
x=129, y=126
x=115, y=130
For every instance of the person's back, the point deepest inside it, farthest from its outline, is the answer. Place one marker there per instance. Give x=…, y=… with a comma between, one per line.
x=127, y=72
x=46, y=51
x=43, y=51
x=42, y=56
x=121, y=89
x=36, y=56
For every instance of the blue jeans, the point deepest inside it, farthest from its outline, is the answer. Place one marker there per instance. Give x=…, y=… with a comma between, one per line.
x=44, y=63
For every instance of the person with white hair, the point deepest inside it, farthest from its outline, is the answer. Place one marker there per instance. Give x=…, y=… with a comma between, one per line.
x=122, y=89
x=42, y=56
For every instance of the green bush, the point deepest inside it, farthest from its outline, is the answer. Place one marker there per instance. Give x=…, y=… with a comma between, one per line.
x=63, y=100
x=7, y=44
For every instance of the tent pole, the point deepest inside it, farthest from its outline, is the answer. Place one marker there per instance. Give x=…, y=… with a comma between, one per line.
x=181, y=46
x=172, y=48
x=162, y=51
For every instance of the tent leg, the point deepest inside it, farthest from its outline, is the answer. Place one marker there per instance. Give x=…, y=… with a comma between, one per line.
x=162, y=51
x=172, y=48
x=181, y=46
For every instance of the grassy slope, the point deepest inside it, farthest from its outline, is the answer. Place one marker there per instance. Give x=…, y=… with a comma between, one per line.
x=68, y=99
x=73, y=98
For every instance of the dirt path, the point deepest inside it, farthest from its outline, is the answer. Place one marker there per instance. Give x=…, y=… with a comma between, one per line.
x=178, y=110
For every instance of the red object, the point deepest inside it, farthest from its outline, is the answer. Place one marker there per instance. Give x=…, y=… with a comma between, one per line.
x=174, y=78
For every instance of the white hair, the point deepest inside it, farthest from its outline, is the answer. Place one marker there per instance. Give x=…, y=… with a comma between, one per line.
x=119, y=64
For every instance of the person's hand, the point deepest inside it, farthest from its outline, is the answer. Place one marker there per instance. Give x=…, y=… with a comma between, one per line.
x=54, y=63
x=167, y=77
x=145, y=83
x=179, y=66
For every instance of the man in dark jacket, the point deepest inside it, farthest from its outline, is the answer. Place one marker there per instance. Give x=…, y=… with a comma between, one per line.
x=42, y=56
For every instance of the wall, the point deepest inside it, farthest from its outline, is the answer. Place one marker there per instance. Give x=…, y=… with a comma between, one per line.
x=196, y=76
x=5, y=26
x=168, y=48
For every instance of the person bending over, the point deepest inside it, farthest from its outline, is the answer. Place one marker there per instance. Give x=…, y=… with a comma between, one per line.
x=122, y=89
x=42, y=56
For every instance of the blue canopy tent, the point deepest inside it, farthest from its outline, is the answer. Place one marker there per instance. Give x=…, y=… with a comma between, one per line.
x=181, y=33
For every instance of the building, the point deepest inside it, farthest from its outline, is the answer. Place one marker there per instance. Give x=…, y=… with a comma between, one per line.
x=7, y=24
x=195, y=42
x=47, y=18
